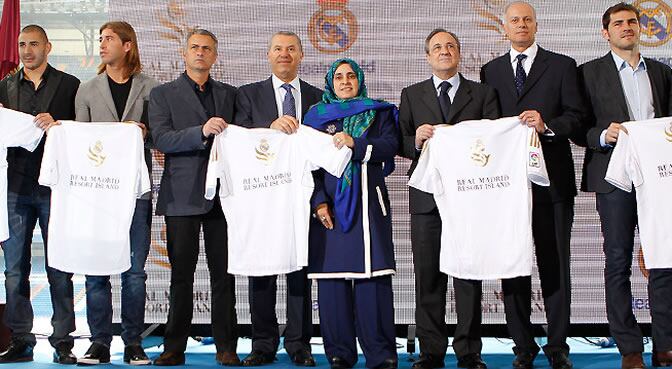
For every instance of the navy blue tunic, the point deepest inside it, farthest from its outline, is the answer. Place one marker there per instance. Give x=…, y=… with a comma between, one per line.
x=366, y=250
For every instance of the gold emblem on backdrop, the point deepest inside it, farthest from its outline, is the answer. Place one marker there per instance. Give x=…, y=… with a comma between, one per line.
x=478, y=154
x=655, y=20
x=95, y=154
x=490, y=12
x=333, y=28
x=263, y=152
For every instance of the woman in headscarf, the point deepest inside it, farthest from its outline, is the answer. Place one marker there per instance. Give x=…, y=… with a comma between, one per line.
x=351, y=251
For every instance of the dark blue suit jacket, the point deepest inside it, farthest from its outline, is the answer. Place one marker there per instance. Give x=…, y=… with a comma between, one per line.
x=176, y=119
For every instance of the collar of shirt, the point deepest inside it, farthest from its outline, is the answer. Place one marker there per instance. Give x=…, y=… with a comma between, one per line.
x=280, y=92
x=531, y=53
x=277, y=83
x=196, y=86
x=45, y=75
x=622, y=64
x=454, y=85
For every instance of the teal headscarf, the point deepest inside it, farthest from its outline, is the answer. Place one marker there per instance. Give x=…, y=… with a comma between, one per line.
x=357, y=113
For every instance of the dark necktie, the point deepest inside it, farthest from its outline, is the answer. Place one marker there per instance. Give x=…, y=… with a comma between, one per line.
x=520, y=73
x=444, y=99
x=288, y=105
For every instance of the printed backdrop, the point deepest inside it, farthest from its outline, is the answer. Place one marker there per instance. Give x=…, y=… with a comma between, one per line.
x=386, y=38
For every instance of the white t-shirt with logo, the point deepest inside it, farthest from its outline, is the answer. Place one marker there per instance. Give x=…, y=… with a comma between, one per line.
x=96, y=172
x=643, y=158
x=16, y=130
x=265, y=188
x=480, y=173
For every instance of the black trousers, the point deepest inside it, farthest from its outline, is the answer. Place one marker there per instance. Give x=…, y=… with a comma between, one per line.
x=265, y=333
x=430, y=294
x=182, y=234
x=551, y=228
x=618, y=216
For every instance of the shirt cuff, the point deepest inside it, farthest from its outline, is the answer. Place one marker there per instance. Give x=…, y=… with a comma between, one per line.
x=548, y=131
x=603, y=140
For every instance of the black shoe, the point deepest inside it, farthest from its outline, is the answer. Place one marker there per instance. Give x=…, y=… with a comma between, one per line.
x=524, y=360
x=135, y=355
x=63, y=354
x=471, y=361
x=303, y=357
x=169, y=358
x=388, y=364
x=428, y=361
x=258, y=358
x=17, y=352
x=96, y=354
x=338, y=363
x=559, y=360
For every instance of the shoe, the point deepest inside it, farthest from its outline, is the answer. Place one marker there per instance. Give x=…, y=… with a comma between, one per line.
x=63, y=354
x=428, y=361
x=135, y=355
x=258, y=358
x=661, y=358
x=303, y=357
x=524, y=360
x=471, y=361
x=632, y=361
x=17, y=352
x=388, y=364
x=338, y=363
x=170, y=358
x=560, y=360
x=96, y=354
x=227, y=358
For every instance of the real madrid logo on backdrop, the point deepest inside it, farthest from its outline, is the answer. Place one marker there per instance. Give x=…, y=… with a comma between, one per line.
x=655, y=19
x=96, y=154
x=478, y=154
x=489, y=11
x=333, y=28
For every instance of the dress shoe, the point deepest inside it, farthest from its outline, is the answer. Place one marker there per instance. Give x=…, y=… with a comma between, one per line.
x=17, y=352
x=303, y=357
x=661, y=358
x=227, y=358
x=387, y=364
x=170, y=358
x=428, y=361
x=471, y=361
x=135, y=355
x=257, y=358
x=524, y=360
x=339, y=363
x=63, y=354
x=97, y=353
x=559, y=360
x=632, y=361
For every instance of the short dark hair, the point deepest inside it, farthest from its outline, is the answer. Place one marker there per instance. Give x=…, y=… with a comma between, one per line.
x=436, y=31
x=606, y=18
x=35, y=28
x=202, y=32
x=286, y=33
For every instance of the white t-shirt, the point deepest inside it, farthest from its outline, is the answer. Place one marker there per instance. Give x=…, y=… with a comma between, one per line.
x=265, y=189
x=16, y=130
x=643, y=158
x=95, y=171
x=480, y=173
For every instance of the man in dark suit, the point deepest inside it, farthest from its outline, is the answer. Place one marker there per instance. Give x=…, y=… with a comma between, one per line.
x=541, y=88
x=184, y=116
x=446, y=97
x=610, y=84
x=279, y=102
x=48, y=94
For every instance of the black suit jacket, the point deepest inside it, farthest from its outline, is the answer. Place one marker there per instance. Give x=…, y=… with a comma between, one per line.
x=552, y=89
x=176, y=119
x=24, y=166
x=256, y=106
x=420, y=105
x=606, y=103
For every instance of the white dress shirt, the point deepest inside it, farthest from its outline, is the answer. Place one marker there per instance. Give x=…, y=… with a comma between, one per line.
x=280, y=93
x=454, y=85
x=531, y=53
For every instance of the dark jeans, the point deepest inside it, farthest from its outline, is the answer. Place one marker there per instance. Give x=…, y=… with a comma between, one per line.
x=618, y=217
x=24, y=211
x=133, y=292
